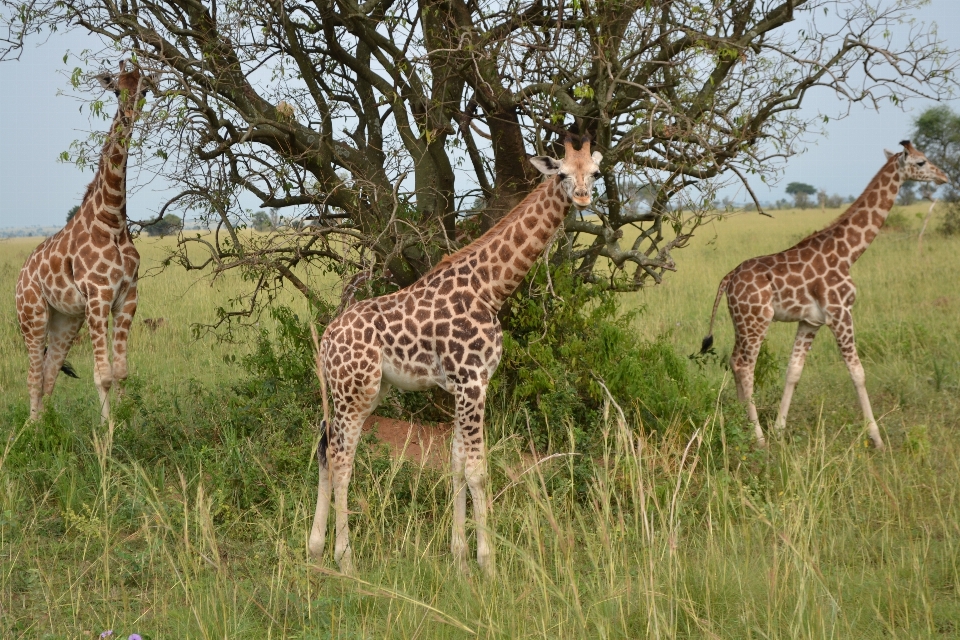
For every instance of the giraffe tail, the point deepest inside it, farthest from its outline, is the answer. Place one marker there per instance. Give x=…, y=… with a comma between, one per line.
x=324, y=426
x=66, y=367
x=708, y=341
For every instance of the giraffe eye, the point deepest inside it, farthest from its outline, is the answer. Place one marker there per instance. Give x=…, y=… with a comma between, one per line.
x=562, y=176
x=597, y=175
x=921, y=163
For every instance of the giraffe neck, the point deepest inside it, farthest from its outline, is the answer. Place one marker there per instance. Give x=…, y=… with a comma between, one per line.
x=498, y=261
x=105, y=202
x=859, y=225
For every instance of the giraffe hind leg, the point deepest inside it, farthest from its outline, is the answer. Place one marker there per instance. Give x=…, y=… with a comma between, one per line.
x=61, y=332
x=355, y=390
x=804, y=340
x=33, y=327
x=318, y=532
x=743, y=361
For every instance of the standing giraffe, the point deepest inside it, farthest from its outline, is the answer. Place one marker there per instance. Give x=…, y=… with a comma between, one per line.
x=442, y=331
x=810, y=283
x=88, y=269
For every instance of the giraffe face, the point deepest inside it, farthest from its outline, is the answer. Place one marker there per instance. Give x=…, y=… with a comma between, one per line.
x=131, y=86
x=914, y=165
x=578, y=171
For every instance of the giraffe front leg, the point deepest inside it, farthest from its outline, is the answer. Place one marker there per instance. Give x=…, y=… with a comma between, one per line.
x=124, y=311
x=842, y=328
x=98, y=318
x=804, y=340
x=470, y=409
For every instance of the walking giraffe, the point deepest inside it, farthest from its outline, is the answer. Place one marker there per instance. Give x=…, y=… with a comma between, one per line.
x=810, y=283
x=442, y=331
x=88, y=269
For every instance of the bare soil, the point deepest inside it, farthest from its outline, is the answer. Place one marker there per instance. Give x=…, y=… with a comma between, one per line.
x=428, y=445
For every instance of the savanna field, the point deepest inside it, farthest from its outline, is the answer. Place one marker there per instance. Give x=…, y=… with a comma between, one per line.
x=190, y=519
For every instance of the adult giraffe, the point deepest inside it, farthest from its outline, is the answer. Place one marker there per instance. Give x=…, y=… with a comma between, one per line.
x=442, y=331
x=88, y=269
x=810, y=283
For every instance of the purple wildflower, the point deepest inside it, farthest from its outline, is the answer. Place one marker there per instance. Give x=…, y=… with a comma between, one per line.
x=107, y=634
x=134, y=636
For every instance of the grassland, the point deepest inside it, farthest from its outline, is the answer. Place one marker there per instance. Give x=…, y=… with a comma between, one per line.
x=189, y=521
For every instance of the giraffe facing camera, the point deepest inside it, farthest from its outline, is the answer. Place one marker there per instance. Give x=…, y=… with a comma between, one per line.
x=810, y=283
x=441, y=331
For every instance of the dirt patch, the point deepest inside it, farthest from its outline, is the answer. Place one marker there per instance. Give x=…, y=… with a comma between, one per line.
x=428, y=445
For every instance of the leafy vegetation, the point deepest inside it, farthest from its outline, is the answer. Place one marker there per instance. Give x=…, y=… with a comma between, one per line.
x=190, y=519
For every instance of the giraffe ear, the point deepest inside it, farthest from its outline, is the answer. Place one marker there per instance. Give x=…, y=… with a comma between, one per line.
x=597, y=157
x=546, y=165
x=888, y=153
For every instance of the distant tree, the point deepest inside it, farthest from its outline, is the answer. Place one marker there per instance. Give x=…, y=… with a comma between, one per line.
x=822, y=199
x=801, y=193
x=72, y=212
x=168, y=225
x=936, y=132
x=908, y=193
x=835, y=201
x=261, y=221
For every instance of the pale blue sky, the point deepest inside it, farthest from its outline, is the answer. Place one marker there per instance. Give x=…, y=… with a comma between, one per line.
x=36, y=125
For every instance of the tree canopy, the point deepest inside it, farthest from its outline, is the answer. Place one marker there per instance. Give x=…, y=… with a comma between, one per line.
x=394, y=131
x=937, y=133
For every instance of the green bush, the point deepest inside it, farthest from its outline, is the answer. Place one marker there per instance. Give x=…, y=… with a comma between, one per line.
x=563, y=343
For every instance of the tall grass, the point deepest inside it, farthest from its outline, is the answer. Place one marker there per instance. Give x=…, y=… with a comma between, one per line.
x=190, y=519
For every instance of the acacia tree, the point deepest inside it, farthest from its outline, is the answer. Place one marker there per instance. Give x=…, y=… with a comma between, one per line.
x=801, y=193
x=389, y=132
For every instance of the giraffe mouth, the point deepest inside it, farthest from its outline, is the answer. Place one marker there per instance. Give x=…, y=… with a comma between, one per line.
x=581, y=203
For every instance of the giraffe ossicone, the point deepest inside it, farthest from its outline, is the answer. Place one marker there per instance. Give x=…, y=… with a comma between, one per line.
x=442, y=331
x=810, y=283
x=88, y=270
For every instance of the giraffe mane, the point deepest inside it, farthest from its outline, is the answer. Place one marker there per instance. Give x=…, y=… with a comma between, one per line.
x=853, y=205
x=491, y=233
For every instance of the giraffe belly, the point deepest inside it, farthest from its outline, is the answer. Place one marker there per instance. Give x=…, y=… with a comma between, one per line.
x=407, y=377
x=810, y=313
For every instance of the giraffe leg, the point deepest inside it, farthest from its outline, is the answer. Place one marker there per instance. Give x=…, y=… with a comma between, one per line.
x=61, y=331
x=470, y=457
x=98, y=320
x=32, y=313
x=743, y=360
x=805, y=334
x=842, y=327
x=458, y=539
x=124, y=310
x=318, y=532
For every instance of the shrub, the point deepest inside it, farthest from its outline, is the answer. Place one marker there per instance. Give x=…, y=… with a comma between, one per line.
x=950, y=225
x=561, y=344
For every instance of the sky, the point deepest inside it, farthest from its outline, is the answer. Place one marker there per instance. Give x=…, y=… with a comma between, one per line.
x=38, y=121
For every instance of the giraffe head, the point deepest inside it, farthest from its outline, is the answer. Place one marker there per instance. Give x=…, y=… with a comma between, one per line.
x=578, y=170
x=913, y=165
x=131, y=86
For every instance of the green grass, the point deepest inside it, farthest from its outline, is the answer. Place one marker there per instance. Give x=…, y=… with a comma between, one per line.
x=190, y=520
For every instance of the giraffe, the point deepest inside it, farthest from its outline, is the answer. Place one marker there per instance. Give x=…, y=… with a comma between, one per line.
x=810, y=283
x=441, y=331
x=88, y=269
